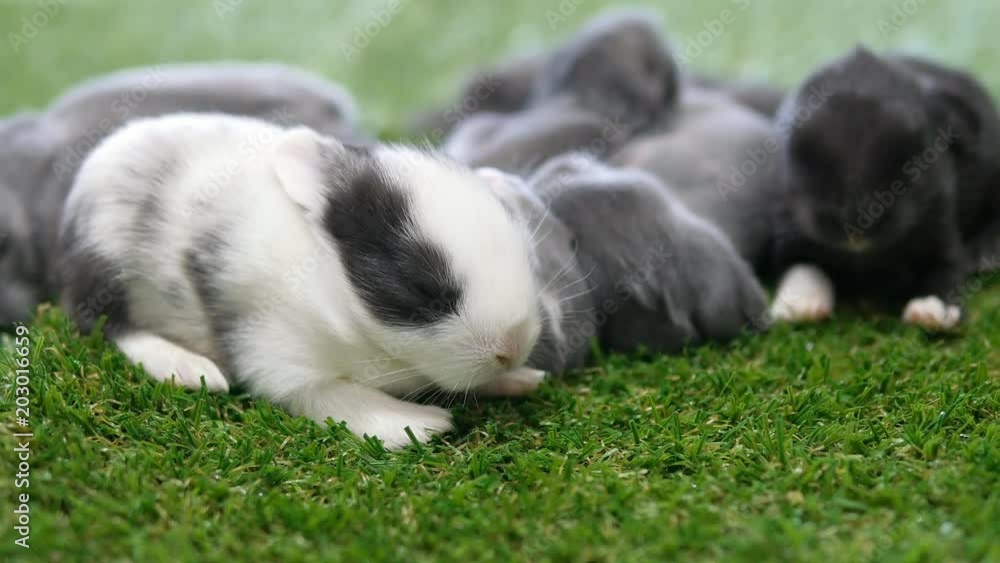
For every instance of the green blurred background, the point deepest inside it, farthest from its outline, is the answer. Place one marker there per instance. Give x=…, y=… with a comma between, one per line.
x=419, y=55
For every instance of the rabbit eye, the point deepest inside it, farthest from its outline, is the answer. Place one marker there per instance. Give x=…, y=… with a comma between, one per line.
x=572, y=244
x=427, y=291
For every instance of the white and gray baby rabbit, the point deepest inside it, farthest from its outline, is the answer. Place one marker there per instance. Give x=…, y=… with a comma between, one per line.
x=41, y=152
x=328, y=278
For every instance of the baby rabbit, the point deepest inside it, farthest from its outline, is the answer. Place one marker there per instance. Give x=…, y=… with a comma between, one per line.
x=660, y=277
x=618, y=66
x=889, y=169
x=718, y=157
x=613, y=78
x=40, y=153
x=326, y=277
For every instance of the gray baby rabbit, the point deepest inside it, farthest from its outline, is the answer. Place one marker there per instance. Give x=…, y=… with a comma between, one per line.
x=660, y=278
x=719, y=158
x=613, y=78
x=40, y=153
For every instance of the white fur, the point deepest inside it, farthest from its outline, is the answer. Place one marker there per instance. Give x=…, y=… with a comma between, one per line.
x=166, y=361
x=516, y=383
x=805, y=294
x=931, y=313
x=309, y=344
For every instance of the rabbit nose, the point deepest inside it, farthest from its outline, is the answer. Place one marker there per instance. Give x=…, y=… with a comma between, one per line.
x=511, y=343
x=509, y=352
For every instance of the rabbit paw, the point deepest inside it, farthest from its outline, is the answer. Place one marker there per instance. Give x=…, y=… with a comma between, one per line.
x=166, y=361
x=805, y=295
x=423, y=420
x=931, y=313
x=515, y=383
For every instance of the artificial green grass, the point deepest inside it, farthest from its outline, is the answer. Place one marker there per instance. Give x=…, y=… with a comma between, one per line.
x=856, y=440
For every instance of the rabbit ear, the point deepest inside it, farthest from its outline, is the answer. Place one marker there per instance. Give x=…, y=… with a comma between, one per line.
x=300, y=157
x=507, y=186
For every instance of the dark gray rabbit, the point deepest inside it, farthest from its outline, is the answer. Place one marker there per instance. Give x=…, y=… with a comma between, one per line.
x=889, y=166
x=658, y=276
x=612, y=79
x=41, y=152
